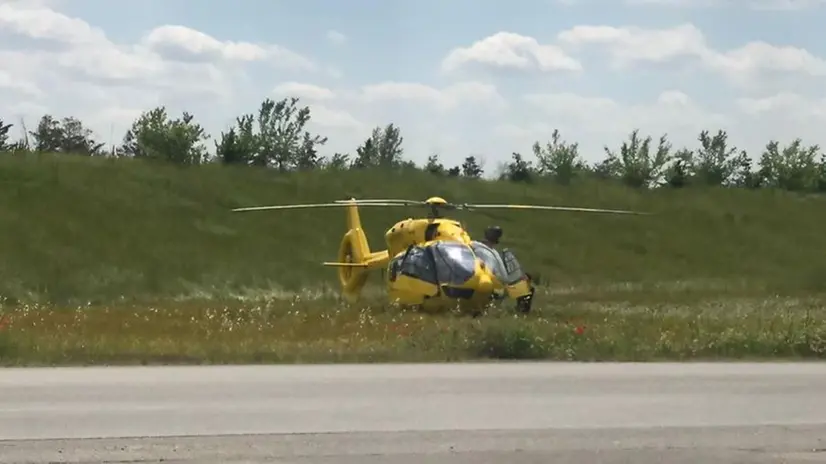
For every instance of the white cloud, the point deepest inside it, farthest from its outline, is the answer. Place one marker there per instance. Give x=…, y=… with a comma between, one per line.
x=319, y=100
x=783, y=116
x=741, y=65
x=746, y=65
x=51, y=62
x=17, y=85
x=180, y=42
x=448, y=98
x=51, y=3
x=69, y=67
x=604, y=120
x=683, y=3
x=508, y=50
x=377, y=98
x=760, y=5
x=595, y=121
x=303, y=90
x=326, y=116
x=630, y=44
x=801, y=107
x=654, y=3
x=165, y=54
x=336, y=37
x=39, y=22
x=786, y=5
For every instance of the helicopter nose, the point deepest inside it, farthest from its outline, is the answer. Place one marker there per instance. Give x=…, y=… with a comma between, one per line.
x=485, y=283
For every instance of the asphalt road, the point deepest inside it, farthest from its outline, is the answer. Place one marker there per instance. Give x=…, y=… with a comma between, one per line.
x=462, y=413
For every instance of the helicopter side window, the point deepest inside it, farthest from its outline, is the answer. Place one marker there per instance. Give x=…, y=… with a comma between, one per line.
x=491, y=258
x=512, y=266
x=419, y=265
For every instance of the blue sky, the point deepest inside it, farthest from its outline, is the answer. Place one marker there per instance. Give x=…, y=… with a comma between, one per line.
x=593, y=69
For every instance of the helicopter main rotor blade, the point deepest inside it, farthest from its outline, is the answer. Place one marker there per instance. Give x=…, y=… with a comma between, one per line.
x=383, y=201
x=400, y=202
x=552, y=208
x=306, y=206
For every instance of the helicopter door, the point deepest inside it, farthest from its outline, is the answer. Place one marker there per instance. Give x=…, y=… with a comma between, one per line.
x=410, y=290
x=513, y=269
x=518, y=285
x=413, y=276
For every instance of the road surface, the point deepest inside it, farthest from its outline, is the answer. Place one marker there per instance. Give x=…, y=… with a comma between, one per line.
x=439, y=413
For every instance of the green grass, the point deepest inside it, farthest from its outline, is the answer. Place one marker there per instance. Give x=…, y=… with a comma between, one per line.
x=125, y=261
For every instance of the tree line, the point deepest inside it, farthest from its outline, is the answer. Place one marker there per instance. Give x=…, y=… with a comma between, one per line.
x=276, y=137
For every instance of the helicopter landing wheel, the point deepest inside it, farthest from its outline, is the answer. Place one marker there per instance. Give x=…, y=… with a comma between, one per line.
x=525, y=303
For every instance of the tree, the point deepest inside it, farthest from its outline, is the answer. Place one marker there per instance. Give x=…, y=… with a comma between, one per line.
x=518, y=170
x=154, y=136
x=366, y=155
x=745, y=176
x=239, y=145
x=635, y=165
x=558, y=159
x=67, y=135
x=277, y=137
x=306, y=158
x=338, y=162
x=382, y=149
x=793, y=168
x=678, y=174
x=283, y=141
x=471, y=168
x=4, y=136
x=821, y=174
x=715, y=162
x=433, y=165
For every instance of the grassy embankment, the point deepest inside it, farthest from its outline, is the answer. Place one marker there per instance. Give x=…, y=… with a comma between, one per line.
x=124, y=262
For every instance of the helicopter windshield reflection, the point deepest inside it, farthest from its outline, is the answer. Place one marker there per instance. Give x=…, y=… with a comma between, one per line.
x=455, y=262
x=440, y=263
x=492, y=260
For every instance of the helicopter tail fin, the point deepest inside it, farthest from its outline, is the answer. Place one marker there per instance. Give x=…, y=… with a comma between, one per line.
x=355, y=258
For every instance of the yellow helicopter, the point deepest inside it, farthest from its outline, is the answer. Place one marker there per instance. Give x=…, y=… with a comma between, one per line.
x=432, y=263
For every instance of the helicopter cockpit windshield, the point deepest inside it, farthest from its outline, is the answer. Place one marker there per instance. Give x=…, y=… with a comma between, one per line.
x=455, y=262
x=449, y=263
